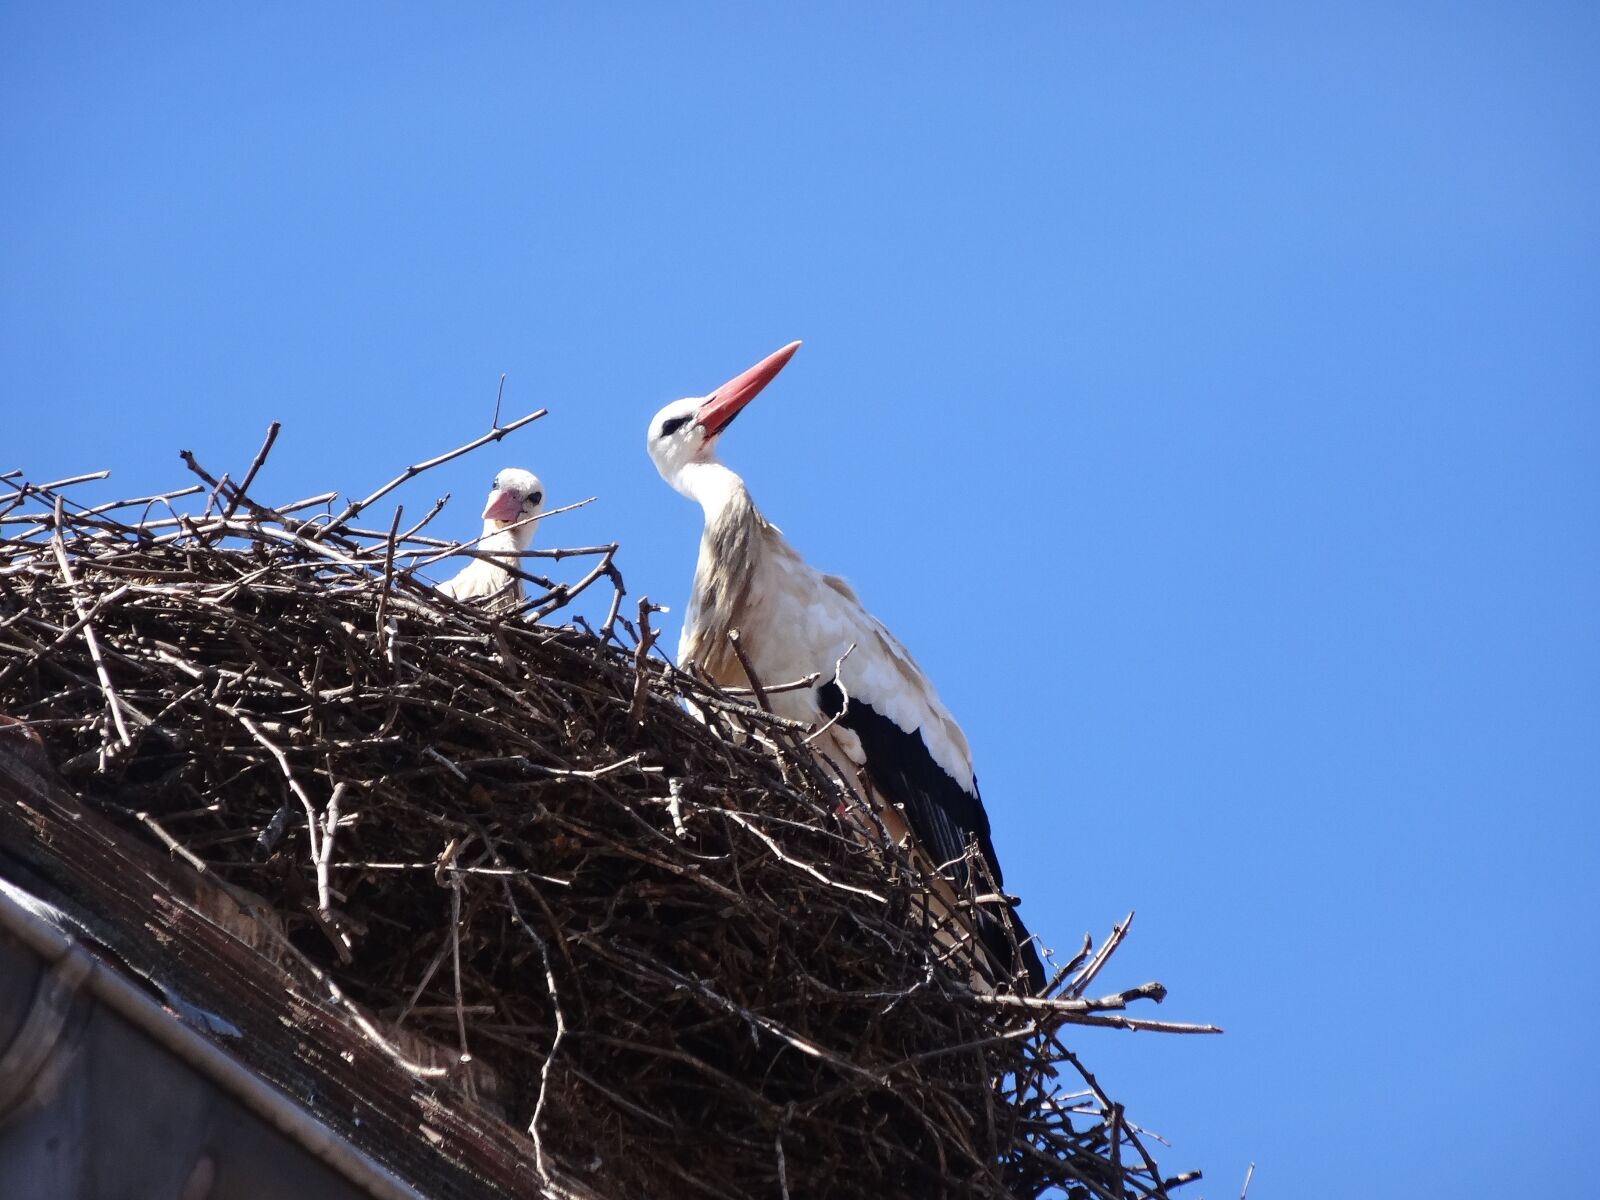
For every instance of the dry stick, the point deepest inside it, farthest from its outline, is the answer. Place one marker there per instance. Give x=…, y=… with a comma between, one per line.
x=1108, y=948
x=1248, y=1176
x=309, y=501
x=17, y=499
x=43, y=490
x=438, y=507
x=388, y=575
x=596, y=773
x=411, y=472
x=68, y=482
x=1071, y=965
x=172, y=843
x=446, y=764
x=113, y=505
x=217, y=485
x=220, y=491
x=1118, y=1000
x=499, y=392
x=433, y=865
x=641, y=677
x=1136, y=1024
x=455, y=964
x=844, y=696
x=749, y=671
x=255, y=465
x=609, y=626
x=774, y=689
x=97, y=510
x=60, y=548
x=324, y=852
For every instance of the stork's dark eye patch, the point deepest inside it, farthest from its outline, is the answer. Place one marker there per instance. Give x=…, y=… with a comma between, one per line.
x=536, y=498
x=673, y=425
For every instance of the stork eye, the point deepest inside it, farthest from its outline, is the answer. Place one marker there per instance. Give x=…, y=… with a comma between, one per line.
x=672, y=426
x=536, y=498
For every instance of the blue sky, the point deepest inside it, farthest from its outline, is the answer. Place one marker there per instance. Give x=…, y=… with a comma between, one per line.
x=1207, y=395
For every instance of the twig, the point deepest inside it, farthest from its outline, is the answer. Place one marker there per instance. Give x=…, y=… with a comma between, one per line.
x=255, y=465
x=844, y=697
x=86, y=620
x=1145, y=991
x=330, y=826
x=388, y=574
x=641, y=677
x=1086, y=976
x=455, y=964
x=774, y=689
x=749, y=671
x=70, y=481
x=411, y=472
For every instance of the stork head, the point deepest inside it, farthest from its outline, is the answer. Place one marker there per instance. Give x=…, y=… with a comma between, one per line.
x=516, y=496
x=685, y=431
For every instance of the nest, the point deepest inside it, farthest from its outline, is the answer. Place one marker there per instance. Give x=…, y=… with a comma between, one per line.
x=655, y=942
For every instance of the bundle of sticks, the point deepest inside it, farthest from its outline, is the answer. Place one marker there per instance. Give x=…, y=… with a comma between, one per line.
x=504, y=831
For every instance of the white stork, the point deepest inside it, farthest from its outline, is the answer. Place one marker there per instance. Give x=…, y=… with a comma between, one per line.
x=890, y=730
x=509, y=518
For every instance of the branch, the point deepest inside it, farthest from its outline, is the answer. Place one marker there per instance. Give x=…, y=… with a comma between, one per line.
x=411, y=472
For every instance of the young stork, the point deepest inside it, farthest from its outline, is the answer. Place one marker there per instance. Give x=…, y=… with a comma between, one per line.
x=889, y=728
x=509, y=517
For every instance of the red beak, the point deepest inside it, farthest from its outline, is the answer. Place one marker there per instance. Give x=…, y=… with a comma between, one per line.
x=503, y=506
x=723, y=405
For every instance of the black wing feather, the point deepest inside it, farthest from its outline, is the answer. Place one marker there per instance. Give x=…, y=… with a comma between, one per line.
x=943, y=814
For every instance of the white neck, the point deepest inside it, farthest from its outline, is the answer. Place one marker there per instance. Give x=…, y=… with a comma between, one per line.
x=712, y=485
